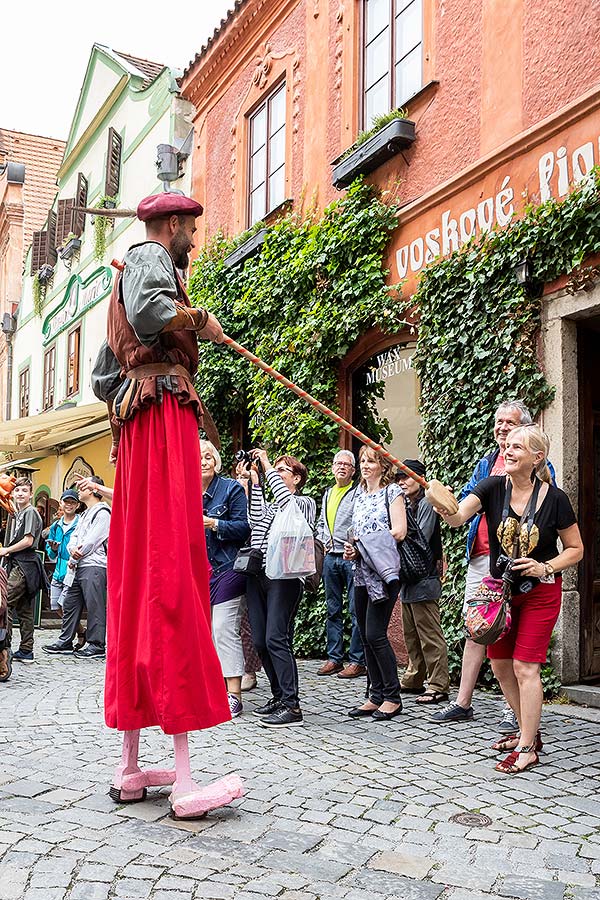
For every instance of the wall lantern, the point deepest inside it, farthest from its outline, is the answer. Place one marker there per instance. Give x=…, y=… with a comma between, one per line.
x=170, y=159
x=525, y=277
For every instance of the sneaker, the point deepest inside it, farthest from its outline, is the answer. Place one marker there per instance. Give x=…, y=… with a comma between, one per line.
x=269, y=708
x=23, y=656
x=236, y=707
x=453, y=713
x=282, y=718
x=90, y=652
x=66, y=649
x=508, y=723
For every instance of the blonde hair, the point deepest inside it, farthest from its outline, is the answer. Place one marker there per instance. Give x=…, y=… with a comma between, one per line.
x=208, y=445
x=536, y=441
x=387, y=468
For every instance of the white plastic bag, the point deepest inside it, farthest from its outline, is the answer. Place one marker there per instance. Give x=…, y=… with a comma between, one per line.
x=291, y=545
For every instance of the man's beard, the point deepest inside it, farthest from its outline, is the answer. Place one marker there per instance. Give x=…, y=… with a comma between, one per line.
x=180, y=251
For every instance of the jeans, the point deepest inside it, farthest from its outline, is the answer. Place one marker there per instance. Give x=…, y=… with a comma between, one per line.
x=338, y=573
x=373, y=620
x=87, y=591
x=272, y=606
x=19, y=600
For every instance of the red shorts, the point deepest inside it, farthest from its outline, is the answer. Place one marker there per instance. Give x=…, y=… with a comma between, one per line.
x=534, y=616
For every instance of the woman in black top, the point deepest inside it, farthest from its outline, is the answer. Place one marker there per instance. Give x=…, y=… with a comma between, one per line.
x=537, y=586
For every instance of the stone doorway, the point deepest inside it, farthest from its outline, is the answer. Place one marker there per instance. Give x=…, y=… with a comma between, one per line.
x=588, y=357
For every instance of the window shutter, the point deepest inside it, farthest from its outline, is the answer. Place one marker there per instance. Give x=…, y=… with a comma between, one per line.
x=37, y=249
x=51, y=255
x=80, y=201
x=113, y=164
x=64, y=221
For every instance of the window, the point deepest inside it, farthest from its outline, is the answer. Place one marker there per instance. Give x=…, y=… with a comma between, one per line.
x=267, y=157
x=24, y=393
x=393, y=54
x=73, y=341
x=48, y=389
x=43, y=247
x=113, y=164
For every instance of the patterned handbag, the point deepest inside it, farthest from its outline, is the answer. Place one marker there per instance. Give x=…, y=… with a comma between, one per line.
x=488, y=616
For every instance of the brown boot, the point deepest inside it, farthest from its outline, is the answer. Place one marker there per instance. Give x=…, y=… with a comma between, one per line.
x=353, y=670
x=5, y=665
x=330, y=668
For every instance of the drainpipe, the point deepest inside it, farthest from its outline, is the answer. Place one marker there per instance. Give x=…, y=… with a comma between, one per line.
x=9, y=326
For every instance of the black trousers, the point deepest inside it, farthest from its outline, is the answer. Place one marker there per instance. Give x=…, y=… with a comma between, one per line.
x=272, y=607
x=373, y=620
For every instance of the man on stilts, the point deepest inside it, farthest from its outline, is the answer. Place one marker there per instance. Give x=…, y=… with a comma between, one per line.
x=162, y=668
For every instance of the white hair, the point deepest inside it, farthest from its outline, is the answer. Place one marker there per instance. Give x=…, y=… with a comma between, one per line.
x=208, y=445
x=348, y=453
x=526, y=417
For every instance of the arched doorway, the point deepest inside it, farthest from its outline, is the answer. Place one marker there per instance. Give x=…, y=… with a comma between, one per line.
x=378, y=385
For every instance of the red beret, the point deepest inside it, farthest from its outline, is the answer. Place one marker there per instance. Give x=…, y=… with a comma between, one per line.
x=167, y=204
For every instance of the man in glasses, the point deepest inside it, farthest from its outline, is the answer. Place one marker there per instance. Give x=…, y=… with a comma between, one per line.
x=338, y=574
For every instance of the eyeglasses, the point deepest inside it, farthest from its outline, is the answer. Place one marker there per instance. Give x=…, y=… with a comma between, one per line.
x=283, y=469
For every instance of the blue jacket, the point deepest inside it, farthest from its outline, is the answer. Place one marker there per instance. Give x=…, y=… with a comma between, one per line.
x=225, y=500
x=482, y=470
x=60, y=533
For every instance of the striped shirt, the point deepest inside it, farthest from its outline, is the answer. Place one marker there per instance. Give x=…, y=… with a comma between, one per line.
x=261, y=513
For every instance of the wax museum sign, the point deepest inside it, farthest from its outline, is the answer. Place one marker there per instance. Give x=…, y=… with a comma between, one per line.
x=544, y=162
x=80, y=295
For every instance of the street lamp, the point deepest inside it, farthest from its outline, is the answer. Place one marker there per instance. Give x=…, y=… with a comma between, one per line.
x=170, y=159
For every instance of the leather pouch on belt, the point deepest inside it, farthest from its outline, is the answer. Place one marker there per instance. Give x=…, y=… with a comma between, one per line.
x=125, y=399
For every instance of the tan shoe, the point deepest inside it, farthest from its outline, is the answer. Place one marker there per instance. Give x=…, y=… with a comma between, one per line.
x=330, y=668
x=353, y=670
x=249, y=681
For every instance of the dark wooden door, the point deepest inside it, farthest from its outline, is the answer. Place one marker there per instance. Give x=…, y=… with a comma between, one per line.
x=589, y=494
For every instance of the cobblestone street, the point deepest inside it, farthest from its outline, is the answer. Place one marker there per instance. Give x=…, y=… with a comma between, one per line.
x=336, y=809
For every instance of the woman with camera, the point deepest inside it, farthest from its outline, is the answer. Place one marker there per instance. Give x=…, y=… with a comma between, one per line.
x=378, y=523
x=273, y=602
x=227, y=529
x=526, y=515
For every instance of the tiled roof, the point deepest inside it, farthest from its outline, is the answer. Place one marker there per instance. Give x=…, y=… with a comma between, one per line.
x=224, y=22
x=150, y=69
x=42, y=157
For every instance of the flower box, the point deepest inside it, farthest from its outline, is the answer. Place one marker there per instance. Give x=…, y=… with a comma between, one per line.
x=397, y=135
x=249, y=248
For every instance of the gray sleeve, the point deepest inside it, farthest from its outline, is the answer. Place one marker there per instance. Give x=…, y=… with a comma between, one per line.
x=149, y=294
x=106, y=374
x=426, y=516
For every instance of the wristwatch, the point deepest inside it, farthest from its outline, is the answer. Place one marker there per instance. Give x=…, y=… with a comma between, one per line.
x=215, y=525
x=548, y=569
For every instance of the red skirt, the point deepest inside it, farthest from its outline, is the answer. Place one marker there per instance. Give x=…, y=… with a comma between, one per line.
x=161, y=665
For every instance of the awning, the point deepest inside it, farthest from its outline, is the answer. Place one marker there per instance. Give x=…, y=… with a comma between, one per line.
x=53, y=432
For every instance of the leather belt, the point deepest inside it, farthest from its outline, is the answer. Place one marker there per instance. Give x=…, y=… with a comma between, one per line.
x=156, y=370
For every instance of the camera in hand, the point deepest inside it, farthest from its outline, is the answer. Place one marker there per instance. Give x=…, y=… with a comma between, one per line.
x=245, y=457
x=519, y=584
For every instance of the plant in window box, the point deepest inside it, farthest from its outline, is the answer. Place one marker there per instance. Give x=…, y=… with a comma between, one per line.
x=247, y=244
x=390, y=134
x=71, y=246
x=101, y=225
x=39, y=287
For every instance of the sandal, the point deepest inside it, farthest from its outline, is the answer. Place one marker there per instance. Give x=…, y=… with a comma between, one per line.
x=432, y=697
x=511, y=742
x=509, y=765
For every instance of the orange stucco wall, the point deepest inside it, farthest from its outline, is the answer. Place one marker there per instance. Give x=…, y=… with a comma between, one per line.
x=501, y=66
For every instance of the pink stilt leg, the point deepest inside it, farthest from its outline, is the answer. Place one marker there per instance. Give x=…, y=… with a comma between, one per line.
x=188, y=799
x=130, y=782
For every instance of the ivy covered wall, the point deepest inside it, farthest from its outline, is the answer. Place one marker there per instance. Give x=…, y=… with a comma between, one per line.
x=318, y=284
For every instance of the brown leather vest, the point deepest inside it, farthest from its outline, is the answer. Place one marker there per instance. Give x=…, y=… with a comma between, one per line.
x=175, y=347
